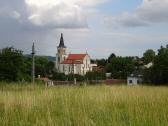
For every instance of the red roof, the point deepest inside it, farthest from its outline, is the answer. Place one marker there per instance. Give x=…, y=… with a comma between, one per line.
x=74, y=59
x=72, y=62
x=76, y=56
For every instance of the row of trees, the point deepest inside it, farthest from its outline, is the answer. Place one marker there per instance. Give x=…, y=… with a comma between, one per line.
x=121, y=67
x=158, y=73
x=14, y=66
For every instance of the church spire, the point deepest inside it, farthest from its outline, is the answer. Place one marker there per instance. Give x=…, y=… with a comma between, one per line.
x=61, y=44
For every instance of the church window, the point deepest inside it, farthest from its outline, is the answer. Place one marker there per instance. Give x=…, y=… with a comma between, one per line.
x=69, y=69
x=86, y=63
x=58, y=59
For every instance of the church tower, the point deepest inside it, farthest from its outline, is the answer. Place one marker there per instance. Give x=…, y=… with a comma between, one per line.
x=61, y=53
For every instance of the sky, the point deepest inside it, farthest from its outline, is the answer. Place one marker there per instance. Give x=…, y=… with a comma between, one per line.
x=98, y=27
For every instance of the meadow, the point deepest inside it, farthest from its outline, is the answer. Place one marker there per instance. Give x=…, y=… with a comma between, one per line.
x=29, y=105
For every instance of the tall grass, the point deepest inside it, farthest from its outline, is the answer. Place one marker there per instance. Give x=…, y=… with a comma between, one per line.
x=28, y=105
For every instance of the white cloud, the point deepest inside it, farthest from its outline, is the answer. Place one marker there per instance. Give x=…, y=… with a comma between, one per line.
x=149, y=12
x=60, y=13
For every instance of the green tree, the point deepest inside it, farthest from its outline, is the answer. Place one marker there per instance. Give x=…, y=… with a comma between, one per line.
x=121, y=67
x=41, y=66
x=50, y=68
x=101, y=62
x=160, y=67
x=11, y=64
x=95, y=75
x=149, y=56
x=58, y=76
x=111, y=57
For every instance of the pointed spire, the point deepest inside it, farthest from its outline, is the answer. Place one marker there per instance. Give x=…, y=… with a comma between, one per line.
x=33, y=49
x=61, y=44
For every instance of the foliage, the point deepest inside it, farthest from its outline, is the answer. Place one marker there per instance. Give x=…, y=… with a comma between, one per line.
x=28, y=105
x=160, y=68
x=41, y=65
x=95, y=75
x=149, y=56
x=59, y=76
x=14, y=66
x=120, y=67
x=101, y=62
x=11, y=64
x=111, y=57
x=158, y=73
x=78, y=77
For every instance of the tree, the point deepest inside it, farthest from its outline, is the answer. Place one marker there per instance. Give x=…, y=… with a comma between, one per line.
x=111, y=57
x=95, y=75
x=101, y=62
x=158, y=73
x=11, y=64
x=149, y=56
x=50, y=68
x=41, y=66
x=160, y=67
x=121, y=67
x=59, y=76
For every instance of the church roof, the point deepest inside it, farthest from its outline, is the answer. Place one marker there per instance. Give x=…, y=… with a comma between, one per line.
x=72, y=62
x=61, y=44
x=76, y=56
x=74, y=59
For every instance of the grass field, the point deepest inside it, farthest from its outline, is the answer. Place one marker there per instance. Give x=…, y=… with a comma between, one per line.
x=83, y=106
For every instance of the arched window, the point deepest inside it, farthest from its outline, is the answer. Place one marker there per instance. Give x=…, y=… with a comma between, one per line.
x=58, y=59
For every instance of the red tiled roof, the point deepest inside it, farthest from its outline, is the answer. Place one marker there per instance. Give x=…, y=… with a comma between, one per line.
x=74, y=59
x=72, y=62
x=76, y=56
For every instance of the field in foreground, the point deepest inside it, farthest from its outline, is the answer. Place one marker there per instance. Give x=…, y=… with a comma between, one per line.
x=83, y=106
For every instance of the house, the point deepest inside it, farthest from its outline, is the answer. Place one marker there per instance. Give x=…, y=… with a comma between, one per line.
x=72, y=63
x=134, y=79
x=149, y=65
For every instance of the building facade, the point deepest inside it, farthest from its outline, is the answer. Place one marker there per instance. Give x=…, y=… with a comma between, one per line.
x=72, y=63
x=134, y=79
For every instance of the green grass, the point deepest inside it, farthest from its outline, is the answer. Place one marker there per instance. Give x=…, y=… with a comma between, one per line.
x=83, y=106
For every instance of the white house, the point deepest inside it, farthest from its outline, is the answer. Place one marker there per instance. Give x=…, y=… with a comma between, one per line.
x=72, y=63
x=149, y=65
x=134, y=79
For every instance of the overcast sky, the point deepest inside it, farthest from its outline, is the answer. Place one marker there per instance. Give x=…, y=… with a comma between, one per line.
x=100, y=27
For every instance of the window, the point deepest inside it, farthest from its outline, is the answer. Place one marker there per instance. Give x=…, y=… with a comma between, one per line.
x=58, y=59
x=86, y=63
x=63, y=68
x=130, y=81
x=138, y=81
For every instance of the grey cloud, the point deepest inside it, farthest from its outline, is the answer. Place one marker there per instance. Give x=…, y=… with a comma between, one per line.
x=149, y=12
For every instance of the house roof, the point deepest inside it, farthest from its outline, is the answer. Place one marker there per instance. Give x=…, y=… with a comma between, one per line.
x=74, y=59
x=76, y=56
x=72, y=62
x=136, y=74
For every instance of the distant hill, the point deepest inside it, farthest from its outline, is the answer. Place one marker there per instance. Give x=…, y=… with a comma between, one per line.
x=50, y=58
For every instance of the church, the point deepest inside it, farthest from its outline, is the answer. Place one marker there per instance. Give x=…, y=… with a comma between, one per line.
x=72, y=63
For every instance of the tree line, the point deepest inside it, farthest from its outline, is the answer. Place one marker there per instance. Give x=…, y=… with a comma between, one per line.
x=14, y=66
